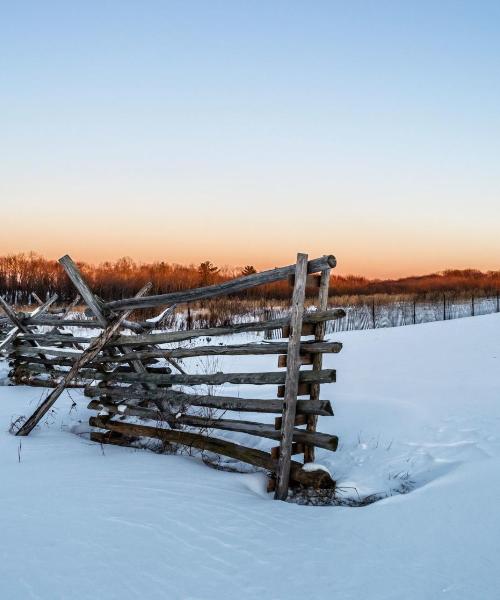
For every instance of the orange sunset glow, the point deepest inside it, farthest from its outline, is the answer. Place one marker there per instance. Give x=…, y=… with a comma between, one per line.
x=248, y=157
x=383, y=251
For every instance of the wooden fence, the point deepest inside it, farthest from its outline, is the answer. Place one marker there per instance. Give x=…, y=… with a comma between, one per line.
x=129, y=375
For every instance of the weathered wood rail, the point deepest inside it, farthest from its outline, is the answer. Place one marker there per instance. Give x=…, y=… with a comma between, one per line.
x=229, y=287
x=134, y=377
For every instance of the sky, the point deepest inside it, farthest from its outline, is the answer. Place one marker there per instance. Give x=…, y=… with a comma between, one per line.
x=243, y=132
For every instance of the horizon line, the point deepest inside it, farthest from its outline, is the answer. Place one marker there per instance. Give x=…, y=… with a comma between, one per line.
x=228, y=267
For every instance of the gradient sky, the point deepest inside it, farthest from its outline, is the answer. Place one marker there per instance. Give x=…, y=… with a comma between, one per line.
x=245, y=131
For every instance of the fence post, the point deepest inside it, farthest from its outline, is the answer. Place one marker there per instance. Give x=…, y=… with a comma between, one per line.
x=444, y=307
x=292, y=379
x=319, y=335
x=473, y=307
x=414, y=310
x=373, y=312
x=498, y=302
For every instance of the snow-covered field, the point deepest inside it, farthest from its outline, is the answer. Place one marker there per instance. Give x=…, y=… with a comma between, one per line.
x=417, y=410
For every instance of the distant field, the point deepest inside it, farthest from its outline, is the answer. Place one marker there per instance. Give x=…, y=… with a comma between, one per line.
x=363, y=312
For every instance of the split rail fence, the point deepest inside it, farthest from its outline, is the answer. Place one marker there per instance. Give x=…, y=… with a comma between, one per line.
x=129, y=376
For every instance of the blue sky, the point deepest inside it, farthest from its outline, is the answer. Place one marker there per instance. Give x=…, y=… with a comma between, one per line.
x=244, y=132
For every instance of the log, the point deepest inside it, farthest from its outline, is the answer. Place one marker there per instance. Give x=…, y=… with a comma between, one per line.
x=312, y=281
x=292, y=380
x=179, y=336
x=24, y=350
x=47, y=339
x=234, y=350
x=138, y=327
x=45, y=383
x=87, y=356
x=47, y=321
x=228, y=287
x=69, y=362
x=304, y=389
x=319, y=334
x=316, y=479
x=321, y=440
x=295, y=449
x=306, y=349
x=306, y=358
x=264, y=378
x=299, y=419
x=100, y=311
x=111, y=437
x=31, y=367
x=19, y=325
x=307, y=329
x=172, y=398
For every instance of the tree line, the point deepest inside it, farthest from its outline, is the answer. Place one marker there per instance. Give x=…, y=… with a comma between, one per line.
x=22, y=274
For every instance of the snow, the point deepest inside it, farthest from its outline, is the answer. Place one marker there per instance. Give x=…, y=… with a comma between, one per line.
x=310, y=467
x=161, y=316
x=417, y=410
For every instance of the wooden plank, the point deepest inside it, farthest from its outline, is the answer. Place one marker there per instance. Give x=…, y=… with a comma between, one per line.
x=99, y=310
x=24, y=350
x=292, y=379
x=19, y=326
x=300, y=419
x=237, y=349
x=82, y=323
x=319, y=334
x=317, y=479
x=307, y=349
x=87, y=356
x=45, y=383
x=297, y=448
x=228, y=287
x=93, y=371
x=271, y=484
x=180, y=400
x=136, y=326
x=312, y=281
x=307, y=329
x=179, y=336
x=105, y=367
x=69, y=362
x=304, y=389
x=322, y=440
x=47, y=339
x=111, y=437
x=191, y=379
x=305, y=359
x=139, y=326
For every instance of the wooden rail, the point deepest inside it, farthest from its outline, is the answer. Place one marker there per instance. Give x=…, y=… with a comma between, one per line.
x=181, y=336
x=252, y=349
x=193, y=379
x=168, y=399
x=321, y=440
x=228, y=287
